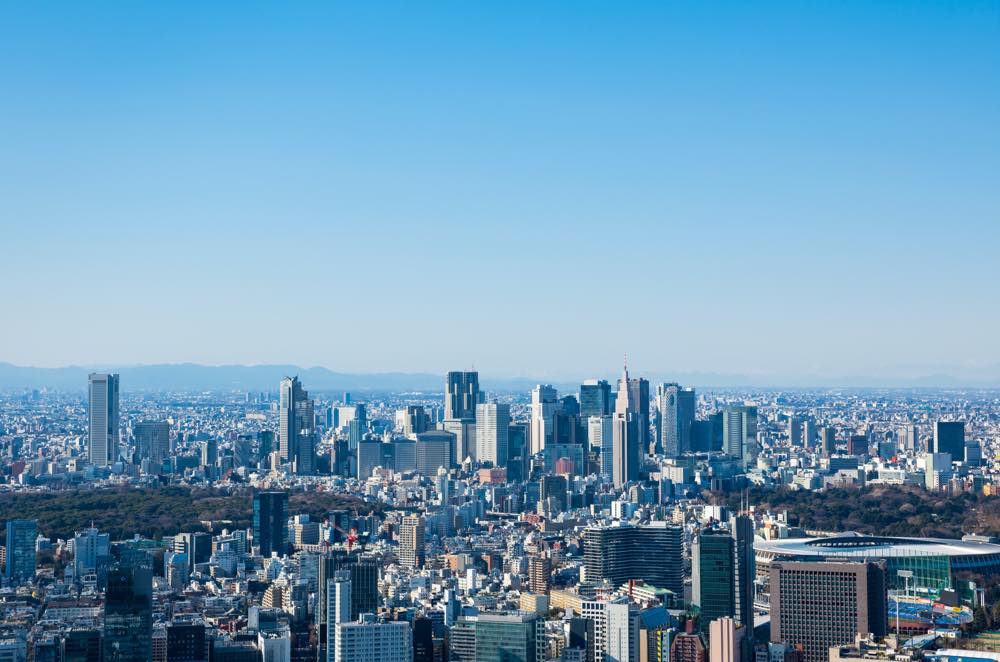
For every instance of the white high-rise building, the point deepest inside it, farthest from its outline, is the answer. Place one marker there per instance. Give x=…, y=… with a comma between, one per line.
x=338, y=609
x=89, y=545
x=464, y=430
x=103, y=425
x=492, y=427
x=371, y=641
x=544, y=403
x=599, y=438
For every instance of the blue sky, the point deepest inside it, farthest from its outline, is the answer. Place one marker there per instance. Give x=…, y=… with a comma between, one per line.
x=532, y=188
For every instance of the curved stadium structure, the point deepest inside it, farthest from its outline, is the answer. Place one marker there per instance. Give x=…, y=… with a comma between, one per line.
x=935, y=563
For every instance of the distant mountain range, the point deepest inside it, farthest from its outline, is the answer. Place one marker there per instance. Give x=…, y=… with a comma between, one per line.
x=194, y=377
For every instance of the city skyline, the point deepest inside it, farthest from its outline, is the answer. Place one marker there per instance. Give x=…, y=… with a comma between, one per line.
x=824, y=213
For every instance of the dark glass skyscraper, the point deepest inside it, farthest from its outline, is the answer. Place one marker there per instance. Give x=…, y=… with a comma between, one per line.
x=620, y=553
x=712, y=587
x=128, y=607
x=595, y=398
x=949, y=437
x=461, y=395
x=20, y=547
x=270, y=522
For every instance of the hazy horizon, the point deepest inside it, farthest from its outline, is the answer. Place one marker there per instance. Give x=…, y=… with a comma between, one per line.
x=765, y=189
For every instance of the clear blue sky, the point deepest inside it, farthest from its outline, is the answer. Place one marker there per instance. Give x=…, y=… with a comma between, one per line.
x=534, y=188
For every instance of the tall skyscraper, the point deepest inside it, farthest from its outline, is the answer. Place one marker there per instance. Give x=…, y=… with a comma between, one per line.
x=152, y=438
x=622, y=552
x=296, y=421
x=817, y=605
x=828, y=440
x=626, y=437
x=20, y=548
x=595, y=398
x=600, y=437
x=128, y=607
x=675, y=413
x=461, y=395
x=103, y=426
x=639, y=395
x=411, y=542
x=794, y=431
x=744, y=570
x=908, y=438
x=544, y=404
x=492, y=427
x=712, y=575
x=739, y=431
x=464, y=430
x=949, y=437
x=270, y=522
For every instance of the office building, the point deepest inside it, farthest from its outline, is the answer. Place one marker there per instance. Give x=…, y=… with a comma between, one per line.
x=103, y=427
x=739, y=432
x=411, y=542
x=712, y=575
x=949, y=437
x=492, y=427
x=464, y=430
x=128, y=607
x=726, y=640
x=675, y=414
x=744, y=570
x=152, y=438
x=415, y=421
x=639, y=398
x=369, y=640
x=81, y=645
x=827, y=440
x=434, y=449
x=270, y=522
x=595, y=398
x=89, y=548
x=544, y=404
x=20, y=549
x=517, y=637
x=369, y=457
x=625, y=435
x=620, y=552
x=296, y=422
x=817, y=605
x=461, y=395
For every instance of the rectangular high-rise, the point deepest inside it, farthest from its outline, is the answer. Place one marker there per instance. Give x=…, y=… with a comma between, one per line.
x=103, y=428
x=492, y=426
x=20, y=549
x=949, y=437
x=544, y=404
x=639, y=396
x=270, y=522
x=817, y=605
x=296, y=422
x=152, y=438
x=595, y=398
x=411, y=542
x=675, y=413
x=128, y=607
x=502, y=637
x=739, y=431
x=461, y=395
